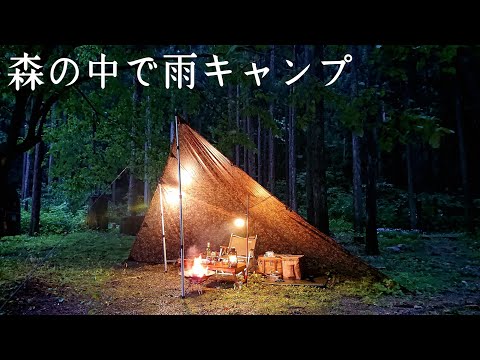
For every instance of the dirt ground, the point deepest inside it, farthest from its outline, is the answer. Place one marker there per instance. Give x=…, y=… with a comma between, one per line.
x=147, y=290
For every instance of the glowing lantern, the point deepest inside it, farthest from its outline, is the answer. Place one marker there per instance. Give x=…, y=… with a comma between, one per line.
x=239, y=222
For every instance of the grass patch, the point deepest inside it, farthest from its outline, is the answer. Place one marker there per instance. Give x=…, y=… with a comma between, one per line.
x=424, y=265
x=85, y=265
x=82, y=261
x=264, y=299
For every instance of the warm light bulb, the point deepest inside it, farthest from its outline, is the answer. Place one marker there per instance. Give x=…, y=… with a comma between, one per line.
x=171, y=196
x=239, y=222
x=186, y=177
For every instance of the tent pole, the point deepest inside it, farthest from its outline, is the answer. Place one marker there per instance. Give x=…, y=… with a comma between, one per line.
x=182, y=265
x=163, y=229
x=247, y=253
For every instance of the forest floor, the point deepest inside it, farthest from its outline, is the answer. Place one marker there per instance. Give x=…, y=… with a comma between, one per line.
x=87, y=273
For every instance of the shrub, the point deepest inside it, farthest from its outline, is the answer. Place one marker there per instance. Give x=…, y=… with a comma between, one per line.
x=56, y=219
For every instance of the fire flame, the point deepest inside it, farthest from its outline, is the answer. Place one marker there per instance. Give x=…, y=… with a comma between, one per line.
x=198, y=270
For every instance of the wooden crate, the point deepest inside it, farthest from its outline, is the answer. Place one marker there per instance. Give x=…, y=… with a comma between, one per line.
x=291, y=266
x=269, y=265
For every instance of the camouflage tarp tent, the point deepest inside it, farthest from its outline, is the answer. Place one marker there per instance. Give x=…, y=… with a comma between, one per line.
x=214, y=193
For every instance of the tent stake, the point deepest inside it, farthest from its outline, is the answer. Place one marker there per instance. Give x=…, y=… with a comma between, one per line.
x=182, y=265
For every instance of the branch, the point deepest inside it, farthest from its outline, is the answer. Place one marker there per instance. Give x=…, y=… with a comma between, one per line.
x=89, y=102
x=45, y=110
x=33, y=138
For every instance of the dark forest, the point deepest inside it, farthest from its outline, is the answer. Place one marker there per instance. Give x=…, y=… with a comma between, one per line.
x=382, y=159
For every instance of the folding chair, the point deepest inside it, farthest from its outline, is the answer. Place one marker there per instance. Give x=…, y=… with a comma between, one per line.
x=240, y=245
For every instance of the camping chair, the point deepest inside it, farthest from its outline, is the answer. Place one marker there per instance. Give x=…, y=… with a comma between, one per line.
x=240, y=245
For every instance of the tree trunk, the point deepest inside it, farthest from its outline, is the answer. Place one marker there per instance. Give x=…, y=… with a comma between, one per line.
x=24, y=165
x=371, y=241
x=132, y=191
x=231, y=116
x=321, y=188
x=292, y=164
x=310, y=174
x=245, y=149
x=250, y=154
x=412, y=198
x=467, y=198
x=356, y=158
x=357, y=190
x=49, y=171
x=8, y=153
x=147, y=146
x=26, y=187
x=53, y=123
x=309, y=157
x=26, y=180
x=259, y=152
x=36, y=190
x=132, y=211
x=271, y=140
x=237, y=147
x=265, y=158
x=410, y=94
x=287, y=111
x=271, y=161
x=320, y=179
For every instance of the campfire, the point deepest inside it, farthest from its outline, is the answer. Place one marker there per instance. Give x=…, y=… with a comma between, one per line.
x=198, y=272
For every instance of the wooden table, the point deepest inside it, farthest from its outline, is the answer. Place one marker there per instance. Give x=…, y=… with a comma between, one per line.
x=222, y=268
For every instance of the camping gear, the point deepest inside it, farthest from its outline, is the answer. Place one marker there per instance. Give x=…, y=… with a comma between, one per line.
x=214, y=193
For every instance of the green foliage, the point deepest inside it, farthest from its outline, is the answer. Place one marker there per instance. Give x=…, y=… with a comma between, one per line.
x=441, y=211
x=340, y=225
x=340, y=204
x=392, y=204
x=56, y=219
x=437, y=211
x=117, y=212
x=301, y=194
x=388, y=287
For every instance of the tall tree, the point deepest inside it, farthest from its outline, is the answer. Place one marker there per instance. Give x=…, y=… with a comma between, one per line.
x=371, y=239
x=259, y=152
x=250, y=152
x=356, y=156
x=245, y=131
x=237, y=120
x=147, y=146
x=36, y=189
x=132, y=188
x=410, y=89
x=459, y=106
x=412, y=199
x=270, y=137
x=316, y=169
x=292, y=155
x=26, y=179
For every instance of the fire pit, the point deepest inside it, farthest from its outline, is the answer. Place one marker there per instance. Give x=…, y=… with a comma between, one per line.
x=198, y=273
x=198, y=279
